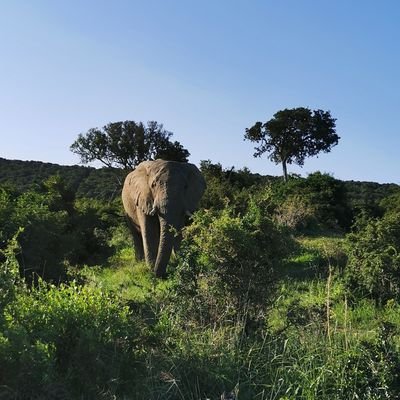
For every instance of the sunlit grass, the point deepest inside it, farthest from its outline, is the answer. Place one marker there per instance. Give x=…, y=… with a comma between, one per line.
x=126, y=277
x=315, y=341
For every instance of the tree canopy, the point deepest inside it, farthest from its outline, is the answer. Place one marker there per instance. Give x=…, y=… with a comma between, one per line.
x=127, y=143
x=294, y=134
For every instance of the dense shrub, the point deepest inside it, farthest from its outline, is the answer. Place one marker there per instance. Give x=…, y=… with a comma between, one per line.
x=374, y=258
x=296, y=213
x=368, y=197
x=227, y=186
x=44, y=238
x=58, y=230
x=391, y=204
x=9, y=273
x=323, y=200
x=229, y=262
x=91, y=227
x=72, y=336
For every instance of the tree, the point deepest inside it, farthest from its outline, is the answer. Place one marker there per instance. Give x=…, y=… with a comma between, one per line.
x=294, y=134
x=127, y=143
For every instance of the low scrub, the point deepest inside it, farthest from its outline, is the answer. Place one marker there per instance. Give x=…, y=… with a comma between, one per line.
x=73, y=338
x=374, y=258
x=227, y=264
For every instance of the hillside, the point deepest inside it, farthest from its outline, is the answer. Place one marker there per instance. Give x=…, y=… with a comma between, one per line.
x=102, y=183
x=81, y=318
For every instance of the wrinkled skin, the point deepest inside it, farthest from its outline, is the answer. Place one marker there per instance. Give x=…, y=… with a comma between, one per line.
x=157, y=196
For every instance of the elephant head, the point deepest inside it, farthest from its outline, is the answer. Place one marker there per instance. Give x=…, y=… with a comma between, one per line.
x=157, y=196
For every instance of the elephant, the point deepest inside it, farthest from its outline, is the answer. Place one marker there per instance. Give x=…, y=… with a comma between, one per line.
x=157, y=197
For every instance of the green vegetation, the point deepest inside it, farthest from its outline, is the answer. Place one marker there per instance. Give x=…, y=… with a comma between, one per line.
x=102, y=184
x=280, y=291
x=294, y=134
x=374, y=258
x=126, y=144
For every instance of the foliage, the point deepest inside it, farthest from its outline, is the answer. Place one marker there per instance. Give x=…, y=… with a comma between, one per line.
x=92, y=228
x=105, y=184
x=322, y=203
x=234, y=259
x=25, y=175
x=294, y=134
x=45, y=234
x=229, y=186
x=313, y=204
x=391, y=204
x=6, y=209
x=72, y=336
x=9, y=273
x=369, y=197
x=126, y=144
x=20, y=176
x=247, y=308
x=295, y=212
x=57, y=229
x=374, y=258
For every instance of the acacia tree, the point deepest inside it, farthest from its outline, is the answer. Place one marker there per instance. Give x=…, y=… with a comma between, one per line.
x=125, y=144
x=294, y=134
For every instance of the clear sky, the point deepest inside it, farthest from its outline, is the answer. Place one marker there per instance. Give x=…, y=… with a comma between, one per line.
x=206, y=70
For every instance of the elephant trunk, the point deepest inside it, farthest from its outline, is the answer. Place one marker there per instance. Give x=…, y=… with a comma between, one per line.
x=164, y=249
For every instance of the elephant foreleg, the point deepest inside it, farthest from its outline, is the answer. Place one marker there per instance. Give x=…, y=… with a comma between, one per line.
x=137, y=240
x=138, y=244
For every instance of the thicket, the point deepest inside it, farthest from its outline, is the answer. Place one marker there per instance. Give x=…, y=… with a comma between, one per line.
x=374, y=258
x=58, y=230
x=229, y=263
x=269, y=297
x=64, y=342
x=314, y=204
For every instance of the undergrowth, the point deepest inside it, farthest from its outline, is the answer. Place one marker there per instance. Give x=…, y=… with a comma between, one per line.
x=115, y=332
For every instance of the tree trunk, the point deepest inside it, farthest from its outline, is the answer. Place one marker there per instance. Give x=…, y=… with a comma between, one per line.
x=284, y=166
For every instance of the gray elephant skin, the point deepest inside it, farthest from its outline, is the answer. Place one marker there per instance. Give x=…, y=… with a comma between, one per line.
x=157, y=196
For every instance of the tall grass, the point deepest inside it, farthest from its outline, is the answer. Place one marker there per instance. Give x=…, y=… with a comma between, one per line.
x=120, y=334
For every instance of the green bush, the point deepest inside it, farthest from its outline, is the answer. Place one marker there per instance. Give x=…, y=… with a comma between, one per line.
x=374, y=258
x=44, y=238
x=9, y=273
x=295, y=212
x=229, y=262
x=5, y=213
x=91, y=229
x=391, y=204
x=229, y=186
x=323, y=201
x=58, y=230
x=77, y=337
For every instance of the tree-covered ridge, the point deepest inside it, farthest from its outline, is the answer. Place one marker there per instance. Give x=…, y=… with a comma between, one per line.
x=106, y=183
x=103, y=183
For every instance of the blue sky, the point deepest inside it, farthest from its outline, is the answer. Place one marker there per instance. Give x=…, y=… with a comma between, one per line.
x=206, y=70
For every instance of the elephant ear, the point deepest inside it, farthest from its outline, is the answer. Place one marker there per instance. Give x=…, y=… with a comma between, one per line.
x=140, y=190
x=196, y=185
